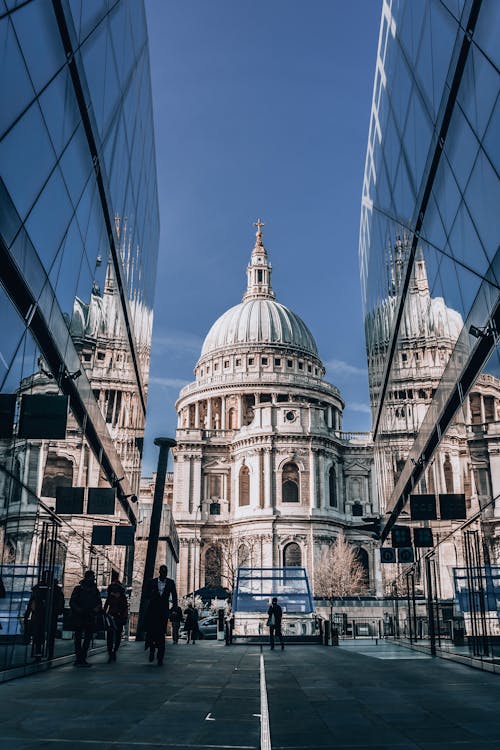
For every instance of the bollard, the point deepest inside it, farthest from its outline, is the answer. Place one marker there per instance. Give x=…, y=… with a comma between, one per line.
x=326, y=631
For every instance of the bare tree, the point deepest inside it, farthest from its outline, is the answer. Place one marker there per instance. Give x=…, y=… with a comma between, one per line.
x=338, y=572
x=235, y=551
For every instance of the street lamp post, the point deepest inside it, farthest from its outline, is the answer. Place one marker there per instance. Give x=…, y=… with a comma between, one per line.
x=154, y=528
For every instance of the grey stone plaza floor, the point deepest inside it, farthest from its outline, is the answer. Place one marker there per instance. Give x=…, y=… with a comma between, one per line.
x=209, y=696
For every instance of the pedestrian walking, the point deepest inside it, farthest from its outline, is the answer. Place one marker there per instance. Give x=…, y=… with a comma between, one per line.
x=158, y=592
x=274, y=616
x=44, y=607
x=191, y=624
x=116, y=606
x=176, y=619
x=228, y=625
x=85, y=604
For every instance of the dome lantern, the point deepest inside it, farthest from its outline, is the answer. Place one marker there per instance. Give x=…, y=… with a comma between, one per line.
x=259, y=270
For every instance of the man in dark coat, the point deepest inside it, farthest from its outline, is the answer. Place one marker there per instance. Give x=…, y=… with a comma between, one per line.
x=116, y=605
x=176, y=619
x=158, y=593
x=85, y=603
x=274, y=615
x=44, y=607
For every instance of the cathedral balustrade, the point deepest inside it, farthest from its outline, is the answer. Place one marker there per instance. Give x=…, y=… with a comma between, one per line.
x=353, y=437
x=259, y=378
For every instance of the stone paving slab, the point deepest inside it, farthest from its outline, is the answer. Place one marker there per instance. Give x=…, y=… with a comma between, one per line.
x=209, y=699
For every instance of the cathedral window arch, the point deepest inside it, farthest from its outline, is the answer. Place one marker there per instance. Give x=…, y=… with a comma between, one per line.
x=448, y=473
x=363, y=560
x=244, y=486
x=213, y=566
x=292, y=555
x=231, y=419
x=243, y=556
x=290, y=483
x=58, y=473
x=332, y=487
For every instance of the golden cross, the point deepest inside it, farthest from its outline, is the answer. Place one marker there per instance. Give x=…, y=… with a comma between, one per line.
x=259, y=224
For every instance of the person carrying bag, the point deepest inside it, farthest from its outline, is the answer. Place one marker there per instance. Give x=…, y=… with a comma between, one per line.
x=116, y=610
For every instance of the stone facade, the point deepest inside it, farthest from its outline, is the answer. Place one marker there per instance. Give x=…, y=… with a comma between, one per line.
x=263, y=472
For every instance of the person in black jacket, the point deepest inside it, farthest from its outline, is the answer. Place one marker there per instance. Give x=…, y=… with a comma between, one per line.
x=116, y=605
x=85, y=603
x=274, y=615
x=44, y=607
x=158, y=592
x=176, y=619
x=191, y=624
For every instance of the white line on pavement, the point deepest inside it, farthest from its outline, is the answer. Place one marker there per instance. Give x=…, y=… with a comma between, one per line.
x=265, y=733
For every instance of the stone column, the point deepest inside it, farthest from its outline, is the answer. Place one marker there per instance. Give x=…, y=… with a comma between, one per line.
x=240, y=412
x=321, y=480
x=197, y=415
x=268, y=478
x=209, y=414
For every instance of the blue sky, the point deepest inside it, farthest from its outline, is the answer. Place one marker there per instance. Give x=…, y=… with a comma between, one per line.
x=261, y=109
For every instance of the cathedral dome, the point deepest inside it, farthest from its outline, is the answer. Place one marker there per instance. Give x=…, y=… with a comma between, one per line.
x=259, y=318
x=259, y=321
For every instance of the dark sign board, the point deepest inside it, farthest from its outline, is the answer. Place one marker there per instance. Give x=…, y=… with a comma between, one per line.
x=7, y=411
x=43, y=416
x=405, y=555
x=452, y=507
x=101, y=501
x=423, y=538
x=69, y=500
x=101, y=535
x=423, y=507
x=124, y=535
x=401, y=536
x=387, y=555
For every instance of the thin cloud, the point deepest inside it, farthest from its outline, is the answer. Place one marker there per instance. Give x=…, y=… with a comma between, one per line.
x=168, y=382
x=180, y=341
x=357, y=406
x=339, y=367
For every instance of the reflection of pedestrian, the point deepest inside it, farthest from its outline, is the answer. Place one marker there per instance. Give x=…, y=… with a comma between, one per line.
x=191, y=624
x=274, y=615
x=44, y=607
x=176, y=619
x=116, y=605
x=229, y=626
x=158, y=594
x=85, y=604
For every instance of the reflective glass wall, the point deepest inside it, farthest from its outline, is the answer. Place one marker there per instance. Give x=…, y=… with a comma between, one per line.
x=79, y=232
x=430, y=275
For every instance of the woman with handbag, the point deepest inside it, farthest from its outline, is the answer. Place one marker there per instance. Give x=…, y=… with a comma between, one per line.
x=116, y=607
x=85, y=605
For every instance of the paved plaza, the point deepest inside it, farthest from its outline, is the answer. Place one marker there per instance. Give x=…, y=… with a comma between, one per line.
x=210, y=696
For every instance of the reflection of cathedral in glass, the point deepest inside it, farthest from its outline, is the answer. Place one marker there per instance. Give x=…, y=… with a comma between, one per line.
x=79, y=232
x=260, y=443
x=465, y=461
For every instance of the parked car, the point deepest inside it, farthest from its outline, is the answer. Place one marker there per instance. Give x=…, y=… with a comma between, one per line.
x=207, y=627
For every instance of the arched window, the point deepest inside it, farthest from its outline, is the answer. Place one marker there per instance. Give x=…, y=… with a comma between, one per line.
x=58, y=473
x=290, y=483
x=243, y=556
x=213, y=567
x=244, y=489
x=292, y=556
x=16, y=489
x=231, y=419
x=332, y=487
x=362, y=559
x=448, y=473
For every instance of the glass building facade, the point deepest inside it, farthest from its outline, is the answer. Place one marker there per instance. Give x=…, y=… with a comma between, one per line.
x=79, y=230
x=430, y=276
